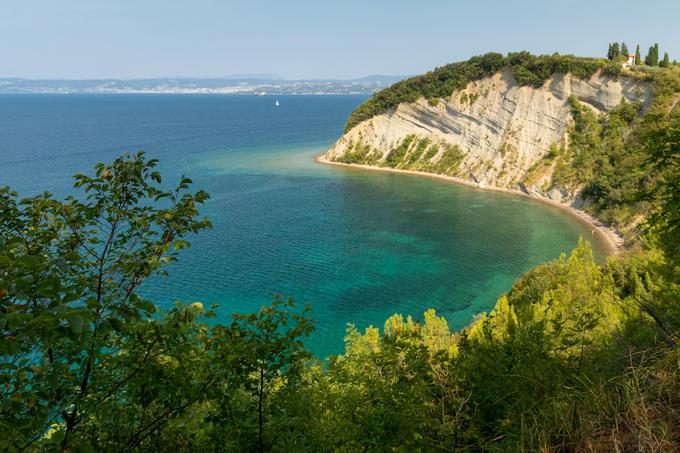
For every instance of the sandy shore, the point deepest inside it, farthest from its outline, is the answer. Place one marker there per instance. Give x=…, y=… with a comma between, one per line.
x=610, y=237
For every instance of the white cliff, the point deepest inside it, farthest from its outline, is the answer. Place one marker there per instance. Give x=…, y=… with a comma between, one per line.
x=500, y=128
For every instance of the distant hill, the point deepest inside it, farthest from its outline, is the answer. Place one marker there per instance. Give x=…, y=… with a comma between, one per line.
x=222, y=85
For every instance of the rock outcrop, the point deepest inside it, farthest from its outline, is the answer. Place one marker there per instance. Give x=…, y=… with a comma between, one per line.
x=499, y=131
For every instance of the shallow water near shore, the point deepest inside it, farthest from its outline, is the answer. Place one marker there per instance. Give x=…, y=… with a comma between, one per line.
x=357, y=245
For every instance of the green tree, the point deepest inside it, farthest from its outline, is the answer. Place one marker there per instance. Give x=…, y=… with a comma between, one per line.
x=638, y=59
x=652, y=58
x=86, y=363
x=663, y=148
x=624, y=49
x=665, y=63
x=69, y=274
x=399, y=390
x=614, y=51
x=272, y=340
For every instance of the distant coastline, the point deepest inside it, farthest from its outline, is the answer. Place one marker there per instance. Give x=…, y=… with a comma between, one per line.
x=612, y=240
x=246, y=86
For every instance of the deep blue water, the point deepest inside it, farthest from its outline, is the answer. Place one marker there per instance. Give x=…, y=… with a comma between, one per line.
x=357, y=245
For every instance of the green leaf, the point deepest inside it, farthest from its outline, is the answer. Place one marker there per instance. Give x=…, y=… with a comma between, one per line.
x=75, y=322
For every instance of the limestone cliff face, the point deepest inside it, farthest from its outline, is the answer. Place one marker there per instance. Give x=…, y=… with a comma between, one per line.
x=499, y=129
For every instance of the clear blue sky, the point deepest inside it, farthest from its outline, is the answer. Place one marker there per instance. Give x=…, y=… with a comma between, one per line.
x=305, y=39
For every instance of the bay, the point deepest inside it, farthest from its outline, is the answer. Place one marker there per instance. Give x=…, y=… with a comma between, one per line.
x=359, y=246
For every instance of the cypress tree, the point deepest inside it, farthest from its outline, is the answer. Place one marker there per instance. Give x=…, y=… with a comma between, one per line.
x=609, y=52
x=638, y=60
x=666, y=61
x=649, y=58
x=656, y=53
x=624, y=50
x=616, y=51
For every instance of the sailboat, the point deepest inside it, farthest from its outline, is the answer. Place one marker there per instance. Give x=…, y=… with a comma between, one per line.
x=277, y=103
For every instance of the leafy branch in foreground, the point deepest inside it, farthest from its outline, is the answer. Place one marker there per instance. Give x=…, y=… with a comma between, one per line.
x=86, y=362
x=69, y=271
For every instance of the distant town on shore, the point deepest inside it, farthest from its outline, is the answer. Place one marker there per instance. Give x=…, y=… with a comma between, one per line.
x=227, y=85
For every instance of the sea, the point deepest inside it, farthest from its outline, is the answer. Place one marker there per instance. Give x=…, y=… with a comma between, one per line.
x=358, y=246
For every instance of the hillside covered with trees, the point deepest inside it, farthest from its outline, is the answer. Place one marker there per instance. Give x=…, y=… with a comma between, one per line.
x=576, y=356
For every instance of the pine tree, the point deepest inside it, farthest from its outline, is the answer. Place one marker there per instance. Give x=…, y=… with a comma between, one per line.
x=638, y=59
x=610, y=56
x=616, y=51
x=624, y=50
x=666, y=62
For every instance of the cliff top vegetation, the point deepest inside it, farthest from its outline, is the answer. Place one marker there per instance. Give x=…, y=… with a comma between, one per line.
x=528, y=70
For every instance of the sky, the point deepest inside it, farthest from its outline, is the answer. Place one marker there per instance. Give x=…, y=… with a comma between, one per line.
x=78, y=39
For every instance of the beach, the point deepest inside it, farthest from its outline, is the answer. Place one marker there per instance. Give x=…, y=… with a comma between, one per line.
x=609, y=236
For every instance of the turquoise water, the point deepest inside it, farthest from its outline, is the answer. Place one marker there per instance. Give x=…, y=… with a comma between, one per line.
x=357, y=245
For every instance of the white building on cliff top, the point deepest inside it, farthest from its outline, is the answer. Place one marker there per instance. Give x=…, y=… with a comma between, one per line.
x=629, y=62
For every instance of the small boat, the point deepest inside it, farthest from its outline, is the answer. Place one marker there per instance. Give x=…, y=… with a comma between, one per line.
x=277, y=103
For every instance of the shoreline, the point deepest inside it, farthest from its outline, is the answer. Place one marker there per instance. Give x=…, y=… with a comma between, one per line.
x=612, y=240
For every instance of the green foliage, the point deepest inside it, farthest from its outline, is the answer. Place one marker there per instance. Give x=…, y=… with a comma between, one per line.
x=552, y=367
x=443, y=81
x=411, y=153
x=624, y=50
x=576, y=165
x=663, y=148
x=418, y=151
x=448, y=161
x=85, y=362
x=541, y=167
x=606, y=155
x=614, y=51
x=613, y=70
x=430, y=153
x=398, y=155
x=638, y=58
x=652, y=58
x=69, y=272
x=357, y=153
x=665, y=63
x=275, y=355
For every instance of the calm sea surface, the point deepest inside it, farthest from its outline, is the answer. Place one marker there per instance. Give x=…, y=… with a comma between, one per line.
x=359, y=246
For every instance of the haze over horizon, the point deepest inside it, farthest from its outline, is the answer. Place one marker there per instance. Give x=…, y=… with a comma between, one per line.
x=256, y=76
x=77, y=39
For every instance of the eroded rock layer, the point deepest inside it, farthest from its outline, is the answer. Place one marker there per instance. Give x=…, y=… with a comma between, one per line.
x=492, y=133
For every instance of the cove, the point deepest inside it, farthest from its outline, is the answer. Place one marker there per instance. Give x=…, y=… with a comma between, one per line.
x=358, y=245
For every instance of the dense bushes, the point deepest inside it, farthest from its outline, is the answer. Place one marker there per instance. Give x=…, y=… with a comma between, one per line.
x=607, y=154
x=568, y=360
x=411, y=153
x=443, y=81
